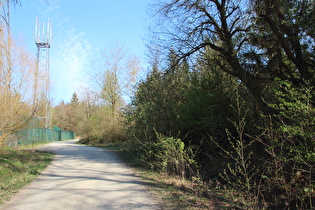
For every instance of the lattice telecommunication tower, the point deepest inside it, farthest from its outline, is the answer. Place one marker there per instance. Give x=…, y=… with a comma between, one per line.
x=43, y=42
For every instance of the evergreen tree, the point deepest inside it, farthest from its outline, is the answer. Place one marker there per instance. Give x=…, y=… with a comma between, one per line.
x=74, y=99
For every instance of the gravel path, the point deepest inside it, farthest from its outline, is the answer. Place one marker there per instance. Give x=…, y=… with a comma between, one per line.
x=82, y=177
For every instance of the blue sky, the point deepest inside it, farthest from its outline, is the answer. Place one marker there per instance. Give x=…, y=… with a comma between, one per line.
x=80, y=29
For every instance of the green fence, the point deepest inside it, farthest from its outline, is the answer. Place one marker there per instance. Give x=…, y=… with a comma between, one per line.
x=33, y=133
x=37, y=135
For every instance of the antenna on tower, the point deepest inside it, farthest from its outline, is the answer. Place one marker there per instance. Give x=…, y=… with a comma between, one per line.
x=43, y=42
x=43, y=34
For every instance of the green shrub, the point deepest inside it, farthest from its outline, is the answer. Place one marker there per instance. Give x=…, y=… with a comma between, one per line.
x=167, y=155
x=289, y=140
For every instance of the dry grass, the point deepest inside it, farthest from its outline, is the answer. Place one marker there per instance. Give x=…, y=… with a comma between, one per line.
x=176, y=193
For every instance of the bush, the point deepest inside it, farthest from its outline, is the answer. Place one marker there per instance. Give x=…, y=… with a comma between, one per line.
x=167, y=155
x=288, y=178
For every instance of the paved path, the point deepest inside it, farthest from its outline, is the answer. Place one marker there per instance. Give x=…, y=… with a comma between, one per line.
x=82, y=177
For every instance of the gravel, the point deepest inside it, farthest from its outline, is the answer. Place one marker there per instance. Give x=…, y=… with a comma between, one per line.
x=83, y=177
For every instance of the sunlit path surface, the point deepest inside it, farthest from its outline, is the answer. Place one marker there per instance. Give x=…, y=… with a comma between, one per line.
x=82, y=177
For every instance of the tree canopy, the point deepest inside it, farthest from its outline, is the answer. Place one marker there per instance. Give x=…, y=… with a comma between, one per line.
x=255, y=40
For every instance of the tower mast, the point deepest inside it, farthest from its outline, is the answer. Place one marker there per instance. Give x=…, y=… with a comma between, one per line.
x=43, y=42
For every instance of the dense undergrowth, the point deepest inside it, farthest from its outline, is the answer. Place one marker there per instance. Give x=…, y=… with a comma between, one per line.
x=271, y=169
x=228, y=101
x=173, y=191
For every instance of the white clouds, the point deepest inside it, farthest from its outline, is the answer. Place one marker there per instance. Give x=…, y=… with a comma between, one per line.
x=46, y=8
x=79, y=29
x=70, y=58
x=69, y=52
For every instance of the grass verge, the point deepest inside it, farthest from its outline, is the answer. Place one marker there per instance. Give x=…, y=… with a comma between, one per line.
x=18, y=168
x=174, y=192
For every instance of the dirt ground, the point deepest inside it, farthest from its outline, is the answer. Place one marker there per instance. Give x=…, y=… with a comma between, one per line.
x=83, y=177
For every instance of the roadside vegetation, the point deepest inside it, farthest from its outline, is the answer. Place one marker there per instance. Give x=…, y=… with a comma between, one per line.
x=21, y=83
x=173, y=191
x=18, y=168
x=227, y=103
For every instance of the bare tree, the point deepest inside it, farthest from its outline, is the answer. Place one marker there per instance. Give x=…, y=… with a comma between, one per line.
x=116, y=73
x=17, y=81
x=88, y=101
x=256, y=40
